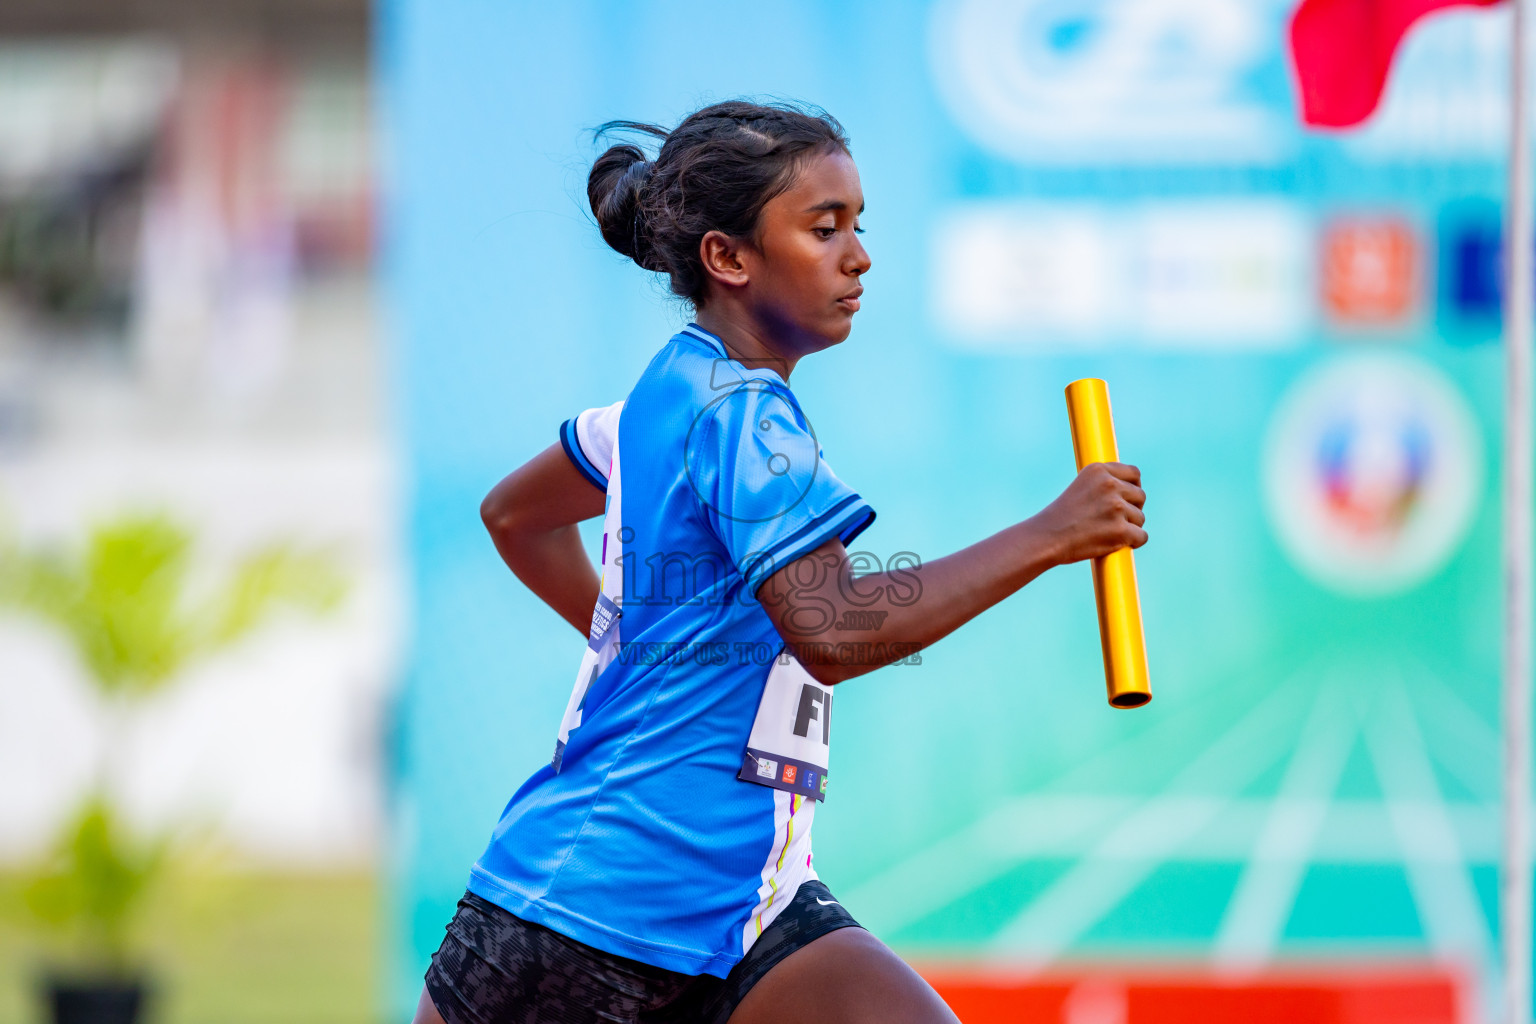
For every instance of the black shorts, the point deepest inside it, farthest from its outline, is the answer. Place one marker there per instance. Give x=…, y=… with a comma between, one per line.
x=495, y=968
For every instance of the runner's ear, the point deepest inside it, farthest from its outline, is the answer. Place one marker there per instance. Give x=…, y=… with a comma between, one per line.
x=721, y=256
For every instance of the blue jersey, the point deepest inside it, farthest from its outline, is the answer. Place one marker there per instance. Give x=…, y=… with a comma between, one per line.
x=673, y=822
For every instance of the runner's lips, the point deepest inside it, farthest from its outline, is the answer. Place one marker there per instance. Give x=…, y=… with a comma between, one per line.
x=851, y=300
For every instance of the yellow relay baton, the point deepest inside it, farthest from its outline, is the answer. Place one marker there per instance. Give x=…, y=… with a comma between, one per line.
x=1114, y=575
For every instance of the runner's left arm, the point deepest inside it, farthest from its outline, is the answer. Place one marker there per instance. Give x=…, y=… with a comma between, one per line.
x=840, y=625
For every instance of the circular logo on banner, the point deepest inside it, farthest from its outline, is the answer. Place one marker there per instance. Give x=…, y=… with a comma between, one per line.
x=1105, y=81
x=1372, y=471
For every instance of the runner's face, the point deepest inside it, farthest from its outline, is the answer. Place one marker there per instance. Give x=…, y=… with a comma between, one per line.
x=807, y=259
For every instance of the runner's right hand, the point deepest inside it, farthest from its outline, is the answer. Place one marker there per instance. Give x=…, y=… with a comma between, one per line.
x=1099, y=512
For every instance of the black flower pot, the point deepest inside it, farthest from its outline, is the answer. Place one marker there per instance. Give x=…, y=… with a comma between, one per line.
x=95, y=1000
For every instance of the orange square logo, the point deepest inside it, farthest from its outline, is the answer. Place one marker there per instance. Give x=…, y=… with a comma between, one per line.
x=789, y=773
x=1369, y=271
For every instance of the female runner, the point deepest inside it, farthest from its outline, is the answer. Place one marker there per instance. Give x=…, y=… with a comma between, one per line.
x=659, y=867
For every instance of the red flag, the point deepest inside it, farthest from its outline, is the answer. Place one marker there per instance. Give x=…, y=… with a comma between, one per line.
x=1343, y=50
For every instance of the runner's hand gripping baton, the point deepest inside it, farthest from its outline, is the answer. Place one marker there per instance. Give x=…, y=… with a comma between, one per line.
x=1114, y=575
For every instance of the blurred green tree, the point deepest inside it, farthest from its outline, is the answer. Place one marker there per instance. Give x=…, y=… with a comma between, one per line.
x=132, y=609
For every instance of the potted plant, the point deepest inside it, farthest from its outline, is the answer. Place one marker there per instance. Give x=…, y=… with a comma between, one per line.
x=130, y=607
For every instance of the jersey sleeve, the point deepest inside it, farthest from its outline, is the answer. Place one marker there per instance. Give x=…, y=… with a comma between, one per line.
x=766, y=491
x=588, y=441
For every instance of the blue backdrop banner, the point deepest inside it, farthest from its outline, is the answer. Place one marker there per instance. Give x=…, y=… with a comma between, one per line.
x=1299, y=334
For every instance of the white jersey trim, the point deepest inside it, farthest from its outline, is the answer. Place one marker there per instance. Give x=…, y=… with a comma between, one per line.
x=788, y=864
x=597, y=430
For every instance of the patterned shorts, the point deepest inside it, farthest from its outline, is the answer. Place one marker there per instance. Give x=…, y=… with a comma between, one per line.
x=494, y=968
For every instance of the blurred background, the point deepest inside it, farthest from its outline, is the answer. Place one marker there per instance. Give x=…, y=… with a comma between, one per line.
x=192, y=380
x=285, y=287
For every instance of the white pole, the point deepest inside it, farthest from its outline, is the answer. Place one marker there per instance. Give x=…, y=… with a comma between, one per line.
x=1515, y=887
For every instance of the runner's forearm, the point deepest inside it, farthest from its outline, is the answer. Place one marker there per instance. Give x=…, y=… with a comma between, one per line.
x=531, y=516
x=903, y=610
x=848, y=625
x=555, y=565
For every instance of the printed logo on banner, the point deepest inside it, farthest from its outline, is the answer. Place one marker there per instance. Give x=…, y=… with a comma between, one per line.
x=1032, y=269
x=1471, y=240
x=1111, y=81
x=1369, y=271
x=1223, y=274
x=1208, y=275
x=1372, y=469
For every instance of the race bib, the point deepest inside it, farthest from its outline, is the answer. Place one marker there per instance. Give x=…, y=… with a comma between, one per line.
x=792, y=733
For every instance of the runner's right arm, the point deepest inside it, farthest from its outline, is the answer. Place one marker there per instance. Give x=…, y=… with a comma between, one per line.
x=532, y=516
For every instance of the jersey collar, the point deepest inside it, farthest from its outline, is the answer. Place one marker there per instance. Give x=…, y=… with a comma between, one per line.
x=714, y=342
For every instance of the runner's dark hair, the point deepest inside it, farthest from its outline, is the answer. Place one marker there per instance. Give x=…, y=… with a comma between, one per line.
x=714, y=172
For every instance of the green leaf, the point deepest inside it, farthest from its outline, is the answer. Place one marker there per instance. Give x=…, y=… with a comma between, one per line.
x=95, y=882
x=129, y=622
x=119, y=600
x=267, y=580
x=127, y=605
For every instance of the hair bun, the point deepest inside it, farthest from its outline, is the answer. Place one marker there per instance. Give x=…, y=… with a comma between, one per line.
x=614, y=189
